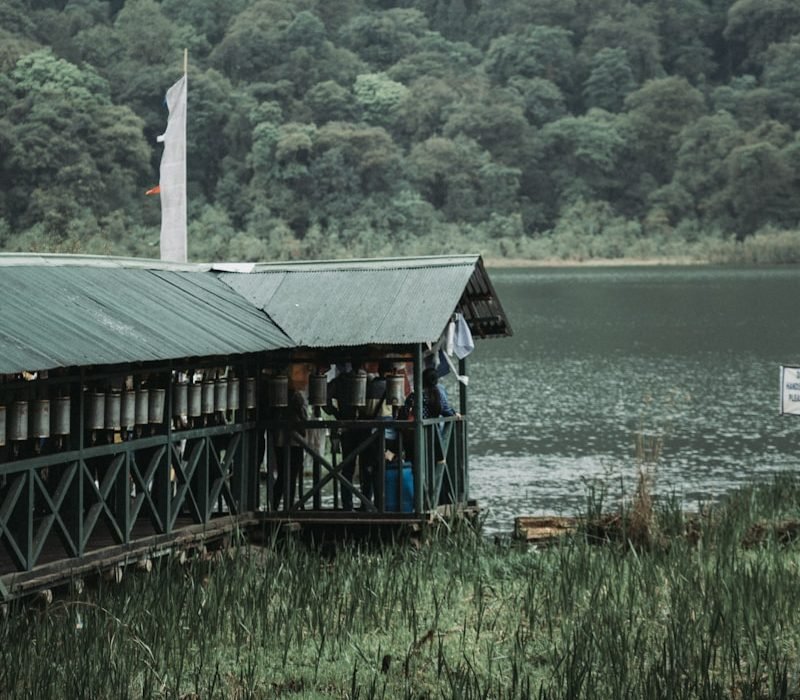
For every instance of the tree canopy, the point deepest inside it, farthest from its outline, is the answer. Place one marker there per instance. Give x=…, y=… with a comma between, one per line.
x=362, y=127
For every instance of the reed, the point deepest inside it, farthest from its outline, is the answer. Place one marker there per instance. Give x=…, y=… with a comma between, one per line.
x=459, y=617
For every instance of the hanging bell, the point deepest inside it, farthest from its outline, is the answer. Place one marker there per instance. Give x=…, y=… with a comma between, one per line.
x=40, y=419
x=18, y=430
x=60, y=416
x=155, y=405
x=113, y=412
x=250, y=393
x=180, y=400
x=195, y=400
x=395, y=389
x=318, y=390
x=142, y=401
x=127, y=416
x=355, y=388
x=221, y=395
x=97, y=411
x=233, y=394
x=278, y=391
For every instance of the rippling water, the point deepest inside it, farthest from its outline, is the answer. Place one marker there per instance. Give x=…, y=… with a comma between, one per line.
x=689, y=355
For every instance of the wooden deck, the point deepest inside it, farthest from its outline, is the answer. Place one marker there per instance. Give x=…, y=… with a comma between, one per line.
x=103, y=554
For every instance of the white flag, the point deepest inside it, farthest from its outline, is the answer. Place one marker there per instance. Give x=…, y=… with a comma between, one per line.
x=172, y=180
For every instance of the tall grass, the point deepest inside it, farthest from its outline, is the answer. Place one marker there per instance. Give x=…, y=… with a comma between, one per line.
x=455, y=618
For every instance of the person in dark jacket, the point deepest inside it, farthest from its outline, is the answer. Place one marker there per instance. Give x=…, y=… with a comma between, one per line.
x=295, y=412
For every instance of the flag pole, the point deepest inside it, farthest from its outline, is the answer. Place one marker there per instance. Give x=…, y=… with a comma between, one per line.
x=185, y=61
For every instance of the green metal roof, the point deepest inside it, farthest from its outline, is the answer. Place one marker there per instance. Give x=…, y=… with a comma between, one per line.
x=392, y=301
x=58, y=311
x=65, y=311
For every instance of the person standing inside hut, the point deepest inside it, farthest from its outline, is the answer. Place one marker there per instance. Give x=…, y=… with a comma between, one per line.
x=296, y=412
x=434, y=402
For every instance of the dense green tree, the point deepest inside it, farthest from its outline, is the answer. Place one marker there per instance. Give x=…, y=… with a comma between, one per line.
x=760, y=183
x=379, y=98
x=745, y=99
x=493, y=19
x=542, y=100
x=658, y=111
x=368, y=157
x=701, y=171
x=383, y=38
x=536, y=52
x=251, y=44
x=437, y=58
x=584, y=155
x=330, y=102
x=425, y=109
x=494, y=121
x=321, y=127
x=685, y=29
x=461, y=180
x=210, y=18
x=157, y=45
x=781, y=64
x=630, y=27
x=71, y=150
x=448, y=17
x=213, y=103
x=610, y=80
x=755, y=24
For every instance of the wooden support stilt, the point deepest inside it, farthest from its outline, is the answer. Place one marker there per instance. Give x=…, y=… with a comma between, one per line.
x=180, y=556
x=145, y=565
x=44, y=597
x=114, y=574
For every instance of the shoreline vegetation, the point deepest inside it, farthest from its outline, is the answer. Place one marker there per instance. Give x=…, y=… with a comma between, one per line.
x=702, y=606
x=501, y=263
x=530, y=129
x=768, y=247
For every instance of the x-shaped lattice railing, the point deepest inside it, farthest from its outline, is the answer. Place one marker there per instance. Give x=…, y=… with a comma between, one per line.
x=101, y=506
x=222, y=472
x=53, y=503
x=143, y=483
x=15, y=489
x=335, y=472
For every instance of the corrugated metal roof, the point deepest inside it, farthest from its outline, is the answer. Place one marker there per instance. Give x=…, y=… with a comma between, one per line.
x=60, y=313
x=383, y=301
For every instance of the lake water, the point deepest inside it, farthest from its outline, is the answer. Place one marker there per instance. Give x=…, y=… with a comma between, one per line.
x=690, y=356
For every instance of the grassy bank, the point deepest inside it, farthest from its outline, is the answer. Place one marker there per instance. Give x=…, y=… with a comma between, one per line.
x=711, y=614
x=593, y=248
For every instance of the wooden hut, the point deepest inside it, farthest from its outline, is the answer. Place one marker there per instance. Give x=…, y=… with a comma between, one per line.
x=142, y=404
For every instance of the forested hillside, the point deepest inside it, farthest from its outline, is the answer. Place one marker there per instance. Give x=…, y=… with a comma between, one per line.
x=331, y=128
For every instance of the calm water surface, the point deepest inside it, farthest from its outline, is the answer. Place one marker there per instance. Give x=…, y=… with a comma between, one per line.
x=690, y=355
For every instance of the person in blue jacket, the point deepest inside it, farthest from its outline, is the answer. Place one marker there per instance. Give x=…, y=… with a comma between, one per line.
x=434, y=397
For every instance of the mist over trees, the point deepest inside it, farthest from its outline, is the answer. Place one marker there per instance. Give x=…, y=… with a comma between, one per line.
x=337, y=128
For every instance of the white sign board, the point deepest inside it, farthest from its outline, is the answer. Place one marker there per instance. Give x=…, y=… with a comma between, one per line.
x=790, y=391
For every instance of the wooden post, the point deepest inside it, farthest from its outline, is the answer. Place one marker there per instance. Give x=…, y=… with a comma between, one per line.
x=462, y=409
x=420, y=466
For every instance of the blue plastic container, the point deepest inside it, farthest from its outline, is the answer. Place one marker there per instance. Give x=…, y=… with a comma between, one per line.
x=407, y=488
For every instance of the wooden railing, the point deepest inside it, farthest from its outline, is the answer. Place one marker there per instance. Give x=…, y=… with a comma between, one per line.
x=63, y=502
x=66, y=504
x=440, y=474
